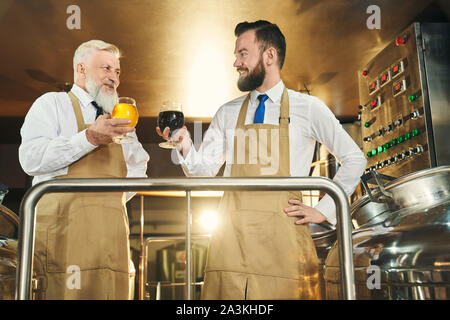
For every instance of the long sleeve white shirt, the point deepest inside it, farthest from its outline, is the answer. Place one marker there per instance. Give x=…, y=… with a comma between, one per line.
x=51, y=141
x=310, y=121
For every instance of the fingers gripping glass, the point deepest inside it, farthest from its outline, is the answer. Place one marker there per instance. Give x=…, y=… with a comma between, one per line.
x=125, y=109
x=170, y=115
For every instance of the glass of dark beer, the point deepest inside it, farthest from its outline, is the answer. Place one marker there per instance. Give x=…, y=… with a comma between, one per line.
x=170, y=115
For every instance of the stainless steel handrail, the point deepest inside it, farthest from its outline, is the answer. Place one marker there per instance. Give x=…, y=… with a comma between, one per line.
x=31, y=198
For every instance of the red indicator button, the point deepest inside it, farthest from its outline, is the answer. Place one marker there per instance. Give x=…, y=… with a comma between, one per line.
x=374, y=103
x=385, y=78
x=401, y=41
x=398, y=87
x=365, y=73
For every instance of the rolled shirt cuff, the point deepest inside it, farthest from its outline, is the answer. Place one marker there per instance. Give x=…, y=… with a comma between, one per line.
x=80, y=142
x=327, y=207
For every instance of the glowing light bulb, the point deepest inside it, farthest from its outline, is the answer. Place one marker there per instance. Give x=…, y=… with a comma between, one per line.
x=209, y=220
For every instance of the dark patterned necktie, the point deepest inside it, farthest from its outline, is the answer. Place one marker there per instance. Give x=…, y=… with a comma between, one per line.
x=99, y=109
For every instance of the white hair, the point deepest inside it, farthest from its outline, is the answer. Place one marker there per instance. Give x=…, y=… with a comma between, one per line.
x=87, y=48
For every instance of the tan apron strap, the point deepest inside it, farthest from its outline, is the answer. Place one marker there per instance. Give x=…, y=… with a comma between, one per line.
x=77, y=109
x=243, y=113
x=284, y=134
x=284, y=111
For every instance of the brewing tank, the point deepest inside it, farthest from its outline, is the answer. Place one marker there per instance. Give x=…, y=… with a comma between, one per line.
x=401, y=240
x=8, y=252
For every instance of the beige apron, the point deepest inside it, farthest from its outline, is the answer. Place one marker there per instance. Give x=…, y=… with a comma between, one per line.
x=82, y=244
x=257, y=252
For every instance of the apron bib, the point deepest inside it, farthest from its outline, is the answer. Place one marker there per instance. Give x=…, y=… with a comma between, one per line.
x=82, y=239
x=256, y=251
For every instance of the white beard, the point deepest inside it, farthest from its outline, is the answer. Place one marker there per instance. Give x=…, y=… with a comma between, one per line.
x=103, y=99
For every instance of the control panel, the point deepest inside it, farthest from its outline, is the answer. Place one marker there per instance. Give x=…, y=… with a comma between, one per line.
x=391, y=110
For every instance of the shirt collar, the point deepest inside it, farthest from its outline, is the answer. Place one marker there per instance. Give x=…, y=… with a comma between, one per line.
x=273, y=93
x=84, y=97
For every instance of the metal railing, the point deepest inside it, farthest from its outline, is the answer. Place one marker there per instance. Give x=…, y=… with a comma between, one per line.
x=31, y=198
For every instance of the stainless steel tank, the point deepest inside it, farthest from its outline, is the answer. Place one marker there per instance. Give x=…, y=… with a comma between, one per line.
x=8, y=253
x=324, y=236
x=401, y=240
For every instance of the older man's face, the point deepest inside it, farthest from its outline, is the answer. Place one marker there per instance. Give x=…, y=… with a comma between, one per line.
x=102, y=78
x=104, y=69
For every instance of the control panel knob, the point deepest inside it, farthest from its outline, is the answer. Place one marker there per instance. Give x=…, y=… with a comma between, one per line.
x=367, y=139
x=418, y=149
x=414, y=115
x=388, y=127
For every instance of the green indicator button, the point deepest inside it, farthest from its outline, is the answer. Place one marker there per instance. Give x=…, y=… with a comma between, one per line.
x=414, y=132
x=369, y=154
x=367, y=124
x=380, y=149
x=412, y=97
x=407, y=136
x=393, y=142
x=399, y=139
x=374, y=151
x=386, y=145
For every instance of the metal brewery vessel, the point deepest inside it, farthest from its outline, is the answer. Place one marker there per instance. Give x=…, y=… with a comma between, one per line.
x=401, y=237
x=401, y=241
x=9, y=222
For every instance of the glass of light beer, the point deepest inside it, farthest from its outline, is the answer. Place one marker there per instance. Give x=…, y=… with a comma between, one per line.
x=125, y=109
x=170, y=115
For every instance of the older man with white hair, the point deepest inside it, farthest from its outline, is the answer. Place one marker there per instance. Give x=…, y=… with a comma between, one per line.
x=82, y=246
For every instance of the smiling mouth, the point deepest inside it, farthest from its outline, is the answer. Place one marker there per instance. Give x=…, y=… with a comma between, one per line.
x=242, y=72
x=109, y=86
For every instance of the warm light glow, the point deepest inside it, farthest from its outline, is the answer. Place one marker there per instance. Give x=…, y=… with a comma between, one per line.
x=211, y=79
x=209, y=220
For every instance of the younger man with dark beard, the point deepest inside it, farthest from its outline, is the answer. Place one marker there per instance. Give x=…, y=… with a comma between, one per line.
x=260, y=248
x=82, y=245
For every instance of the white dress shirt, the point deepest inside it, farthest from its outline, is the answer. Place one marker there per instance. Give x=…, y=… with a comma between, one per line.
x=310, y=121
x=51, y=141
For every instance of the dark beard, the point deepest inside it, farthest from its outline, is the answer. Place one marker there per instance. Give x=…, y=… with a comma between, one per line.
x=254, y=79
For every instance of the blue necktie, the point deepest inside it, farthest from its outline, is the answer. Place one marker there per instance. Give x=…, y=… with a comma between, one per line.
x=259, y=114
x=99, y=109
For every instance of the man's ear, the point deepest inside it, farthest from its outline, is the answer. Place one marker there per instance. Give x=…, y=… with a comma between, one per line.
x=271, y=56
x=81, y=69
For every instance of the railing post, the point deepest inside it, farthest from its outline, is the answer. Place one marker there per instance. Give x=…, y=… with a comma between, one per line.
x=188, y=246
x=141, y=255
